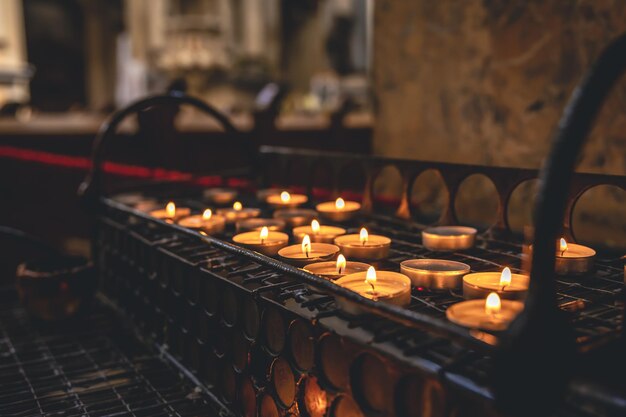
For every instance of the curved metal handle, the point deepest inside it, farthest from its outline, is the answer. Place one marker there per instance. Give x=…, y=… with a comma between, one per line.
x=538, y=351
x=92, y=186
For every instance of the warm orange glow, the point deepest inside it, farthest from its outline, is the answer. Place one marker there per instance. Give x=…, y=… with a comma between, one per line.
x=505, y=277
x=206, y=215
x=363, y=236
x=315, y=226
x=264, y=234
x=285, y=197
x=237, y=206
x=370, y=277
x=492, y=304
x=306, y=245
x=340, y=204
x=170, y=209
x=341, y=264
x=562, y=246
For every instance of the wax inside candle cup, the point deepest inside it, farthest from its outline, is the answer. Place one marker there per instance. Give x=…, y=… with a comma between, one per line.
x=390, y=287
x=294, y=254
x=171, y=213
x=376, y=247
x=213, y=225
x=247, y=225
x=295, y=217
x=434, y=274
x=279, y=200
x=325, y=234
x=220, y=196
x=268, y=246
x=339, y=213
x=480, y=284
x=472, y=314
x=448, y=238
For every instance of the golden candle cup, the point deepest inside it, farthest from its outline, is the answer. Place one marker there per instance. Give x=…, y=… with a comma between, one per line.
x=330, y=211
x=448, y=238
x=270, y=246
x=481, y=284
x=319, y=252
x=376, y=247
x=434, y=274
x=220, y=196
x=213, y=225
x=472, y=314
x=232, y=216
x=325, y=234
x=390, y=288
x=257, y=223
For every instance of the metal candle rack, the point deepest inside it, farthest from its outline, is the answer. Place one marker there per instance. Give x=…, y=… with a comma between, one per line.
x=227, y=312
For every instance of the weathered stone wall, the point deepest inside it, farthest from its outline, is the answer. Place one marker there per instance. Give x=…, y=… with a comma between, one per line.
x=485, y=82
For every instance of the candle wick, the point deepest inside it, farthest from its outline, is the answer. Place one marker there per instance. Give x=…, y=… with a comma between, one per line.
x=373, y=288
x=262, y=241
x=562, y=252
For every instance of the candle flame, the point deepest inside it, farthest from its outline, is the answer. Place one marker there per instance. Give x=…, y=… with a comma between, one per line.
x=370, y=277
x=285, y=197
x=264, y=233
x=206, y=215
x=306, y=245
x=237, y=206
x=170, y=209
x=315, y=226
x=562, y=246
x=363, y=236
x=341, y=264
x=505, y=277
x=340, y=204
x=493, y=304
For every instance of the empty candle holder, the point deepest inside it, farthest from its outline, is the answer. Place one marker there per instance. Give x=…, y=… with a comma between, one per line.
x=434, y=274
x=448, y=238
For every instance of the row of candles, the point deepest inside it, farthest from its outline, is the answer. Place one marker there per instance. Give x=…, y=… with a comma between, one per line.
x=493, y=298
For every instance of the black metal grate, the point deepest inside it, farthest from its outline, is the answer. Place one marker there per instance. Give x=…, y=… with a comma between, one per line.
x=93, y=366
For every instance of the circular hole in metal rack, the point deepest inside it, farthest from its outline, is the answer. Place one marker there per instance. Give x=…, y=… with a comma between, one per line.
x=598, y=217
x=208, y=366
x=418, y=396
x=240, y=349
x=521, y=204
x=246, y=396
x=209, y=296
x=230, y=306
x=371, y=384
x=283, y=382
x=387, y=190
x=313, y=401
x=301, y=345
x=345, y=406
x=250, y=317
x=273, y=330
x=268, y=407
x=476, y=202
x=429, y=197
x=332, y=362
x=351, y=181
x=227, y=381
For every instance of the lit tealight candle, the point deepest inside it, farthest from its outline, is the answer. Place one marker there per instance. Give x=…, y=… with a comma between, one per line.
x=364, y=246
x=448, y=238
x=491, y=314
x=573, y=259
x=383, y=286
x=284, y=199
x=317, y=232
x=333, y=270
x=206, y=222
x=338, y=210
x=238, y=212
x=507, y=285
x=171, y=212
x=434, y=274
x=308, y=252
x=263, y=241
x=295, y=217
